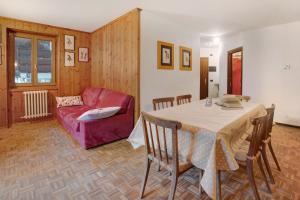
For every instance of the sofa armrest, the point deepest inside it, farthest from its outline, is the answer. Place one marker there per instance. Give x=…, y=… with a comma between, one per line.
x=130, y=107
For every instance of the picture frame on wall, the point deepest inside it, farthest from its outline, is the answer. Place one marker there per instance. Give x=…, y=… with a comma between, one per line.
x=165, y=55
x=186, y=58
x=69, y=59
x=83, y=54
x=69, y=42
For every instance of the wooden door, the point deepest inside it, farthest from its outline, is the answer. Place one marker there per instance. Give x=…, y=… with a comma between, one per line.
x=203, y=77
x=235, y=71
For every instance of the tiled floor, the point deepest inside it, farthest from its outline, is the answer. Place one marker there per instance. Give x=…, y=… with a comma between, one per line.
x=41, y=161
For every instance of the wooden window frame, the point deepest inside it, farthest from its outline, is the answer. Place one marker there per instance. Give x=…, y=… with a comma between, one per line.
x=34, y=59
x=53, y=68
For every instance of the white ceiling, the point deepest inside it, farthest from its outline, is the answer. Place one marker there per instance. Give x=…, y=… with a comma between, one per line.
x=207, y=17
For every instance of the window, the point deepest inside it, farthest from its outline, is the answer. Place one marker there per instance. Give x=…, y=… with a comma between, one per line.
x=44, y=61
x=23, y=60
x=34, y=59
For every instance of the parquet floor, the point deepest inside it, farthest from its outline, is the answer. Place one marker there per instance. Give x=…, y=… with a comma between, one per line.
x=41, y=161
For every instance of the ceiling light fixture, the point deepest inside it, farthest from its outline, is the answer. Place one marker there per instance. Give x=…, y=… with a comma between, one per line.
x=216, y=41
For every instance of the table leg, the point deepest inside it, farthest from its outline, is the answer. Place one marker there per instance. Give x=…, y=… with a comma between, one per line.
x=200, y=178
x=218, y=185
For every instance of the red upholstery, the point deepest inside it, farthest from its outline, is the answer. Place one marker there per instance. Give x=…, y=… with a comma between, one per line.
x=96, y=132
x=90, y=96
x=70, y=114
x=109, y=98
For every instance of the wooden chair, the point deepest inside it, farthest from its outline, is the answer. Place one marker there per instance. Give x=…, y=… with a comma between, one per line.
x=254, y=154
x=271, y=111
x=162, y=103
x=267, y=143
x=184, y=99
x=160, y=154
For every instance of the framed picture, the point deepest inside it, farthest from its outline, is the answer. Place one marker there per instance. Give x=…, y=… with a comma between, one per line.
x=83, y=54
x=185, y=58
x=165, y=55
x=69, y=42
x=69, y=59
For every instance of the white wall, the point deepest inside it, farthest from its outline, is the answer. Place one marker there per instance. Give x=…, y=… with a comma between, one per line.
x=213, y=58
x=228, y=43
x=162, y=83
x=266, y=52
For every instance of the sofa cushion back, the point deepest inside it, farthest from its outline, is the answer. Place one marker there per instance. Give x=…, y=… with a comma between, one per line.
x=90, y=96
x=110, y=98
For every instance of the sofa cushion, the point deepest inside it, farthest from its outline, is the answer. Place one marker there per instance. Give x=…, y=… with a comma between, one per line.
x=110, y=98
x=70, y=114
x=98, y=113
x=90, y=96
x=69, y=101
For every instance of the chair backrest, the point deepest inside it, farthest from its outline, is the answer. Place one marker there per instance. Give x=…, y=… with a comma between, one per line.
x=184, y=99
x=258, y=136
x=156, y=149
x=270, y=112
x=161, y=103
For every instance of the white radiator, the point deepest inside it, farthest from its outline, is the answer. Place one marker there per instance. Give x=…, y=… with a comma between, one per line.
x=36, y=104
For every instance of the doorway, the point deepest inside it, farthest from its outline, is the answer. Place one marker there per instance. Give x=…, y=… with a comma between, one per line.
x=204, y=77
x=235, y=71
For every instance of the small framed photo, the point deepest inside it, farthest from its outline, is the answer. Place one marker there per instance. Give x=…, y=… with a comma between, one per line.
x=83, y=54
x=165, y=55
x=69, y=59
x=185, y=58
x=69, y=42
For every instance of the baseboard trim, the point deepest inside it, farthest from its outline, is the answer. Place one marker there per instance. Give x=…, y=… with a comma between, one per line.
x=289, y=125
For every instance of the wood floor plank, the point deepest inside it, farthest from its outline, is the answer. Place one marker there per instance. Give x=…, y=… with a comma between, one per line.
x=41, y=161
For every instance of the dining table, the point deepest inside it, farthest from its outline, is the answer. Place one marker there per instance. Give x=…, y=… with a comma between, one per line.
x=209, y=137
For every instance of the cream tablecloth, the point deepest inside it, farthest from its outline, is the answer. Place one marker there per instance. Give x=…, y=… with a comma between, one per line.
x=209, y=135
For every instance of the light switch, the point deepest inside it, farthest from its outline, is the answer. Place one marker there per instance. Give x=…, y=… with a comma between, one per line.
x=287, y=67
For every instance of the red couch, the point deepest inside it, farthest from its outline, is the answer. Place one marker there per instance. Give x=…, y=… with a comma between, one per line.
x=96, y=132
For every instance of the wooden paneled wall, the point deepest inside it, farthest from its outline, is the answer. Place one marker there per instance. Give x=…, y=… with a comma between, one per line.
x=115, y=52
x=3, y=82
x=69, y=80
x=114, y=63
